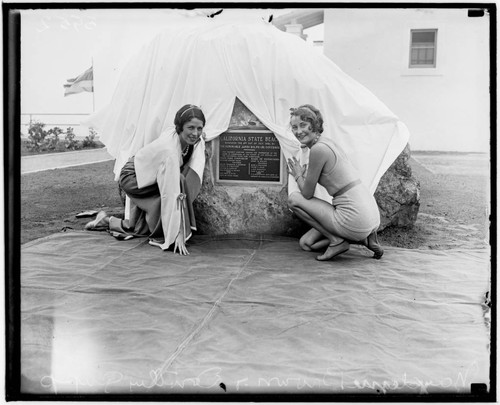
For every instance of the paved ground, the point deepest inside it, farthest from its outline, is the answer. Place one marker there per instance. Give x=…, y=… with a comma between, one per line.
x=454, y=163
x=435, y=162
x=37, y=163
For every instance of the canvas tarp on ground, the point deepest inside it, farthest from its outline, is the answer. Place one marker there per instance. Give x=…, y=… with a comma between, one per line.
x=209, y=62
x=260, y=315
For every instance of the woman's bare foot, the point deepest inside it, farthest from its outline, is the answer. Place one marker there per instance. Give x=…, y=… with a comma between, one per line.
x=100, y=222
x=371, y=242
x=334, y=250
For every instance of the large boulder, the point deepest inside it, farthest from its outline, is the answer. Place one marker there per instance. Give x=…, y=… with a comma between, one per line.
x=398, y=194
x=233, y=209
x=242, y=209
x=222, y=209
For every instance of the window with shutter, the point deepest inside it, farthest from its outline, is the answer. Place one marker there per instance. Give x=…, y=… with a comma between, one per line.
x=423, y=48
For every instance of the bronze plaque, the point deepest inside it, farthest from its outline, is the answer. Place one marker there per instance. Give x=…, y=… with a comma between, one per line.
x=249, y=156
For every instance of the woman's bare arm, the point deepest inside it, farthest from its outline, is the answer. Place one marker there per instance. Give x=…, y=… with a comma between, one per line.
x=318, y=158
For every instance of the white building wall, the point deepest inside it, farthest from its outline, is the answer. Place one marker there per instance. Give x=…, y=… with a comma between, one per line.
x=446, y=108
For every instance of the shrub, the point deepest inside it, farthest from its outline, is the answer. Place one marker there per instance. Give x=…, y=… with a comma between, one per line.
x=36, y=137
x=51, y=141
x=89, y=141
x=41, y=140
x=70, y=141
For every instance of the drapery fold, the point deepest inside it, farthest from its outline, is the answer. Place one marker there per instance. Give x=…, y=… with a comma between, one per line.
x=211, y=62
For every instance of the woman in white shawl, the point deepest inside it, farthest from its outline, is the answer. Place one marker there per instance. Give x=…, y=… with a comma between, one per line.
x=161, y=187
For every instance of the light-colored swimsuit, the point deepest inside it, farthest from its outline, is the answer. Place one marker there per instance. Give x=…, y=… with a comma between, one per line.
x=355, y=211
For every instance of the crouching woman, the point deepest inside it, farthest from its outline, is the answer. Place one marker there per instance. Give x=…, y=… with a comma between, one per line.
x=161, y=185
x=353, y=215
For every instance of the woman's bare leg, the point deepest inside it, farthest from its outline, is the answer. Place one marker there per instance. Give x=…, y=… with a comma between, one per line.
x=313, y=240
x=323, y=243
x=317, y=213
x=308, y=219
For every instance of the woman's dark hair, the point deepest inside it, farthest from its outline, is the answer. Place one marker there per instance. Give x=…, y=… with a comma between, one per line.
x=187, y=113
x=311, y=114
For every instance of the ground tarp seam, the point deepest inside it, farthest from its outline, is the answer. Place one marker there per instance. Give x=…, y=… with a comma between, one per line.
x=166, y=365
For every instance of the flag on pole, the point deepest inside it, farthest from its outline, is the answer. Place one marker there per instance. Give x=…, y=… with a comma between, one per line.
x=83, y=82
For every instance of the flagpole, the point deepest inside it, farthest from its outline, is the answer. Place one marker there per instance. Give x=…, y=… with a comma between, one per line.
x=93, y=81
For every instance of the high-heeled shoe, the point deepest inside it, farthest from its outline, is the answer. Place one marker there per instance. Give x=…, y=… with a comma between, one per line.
x=334, y=250
x=371, y=242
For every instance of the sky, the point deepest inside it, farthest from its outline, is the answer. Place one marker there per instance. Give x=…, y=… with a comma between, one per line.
x=60, y=44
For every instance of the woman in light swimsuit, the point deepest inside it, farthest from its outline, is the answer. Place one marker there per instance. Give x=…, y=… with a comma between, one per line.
x=353, y=215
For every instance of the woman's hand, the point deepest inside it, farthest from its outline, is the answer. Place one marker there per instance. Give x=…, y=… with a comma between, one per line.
x=180, y=244
x=295, y=169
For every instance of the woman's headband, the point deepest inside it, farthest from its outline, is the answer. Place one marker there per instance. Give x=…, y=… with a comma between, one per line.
x=191, y=107
x=293, y=110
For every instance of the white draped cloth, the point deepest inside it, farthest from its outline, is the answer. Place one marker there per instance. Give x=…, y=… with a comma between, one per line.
x=209, y=62
x=159, y=162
